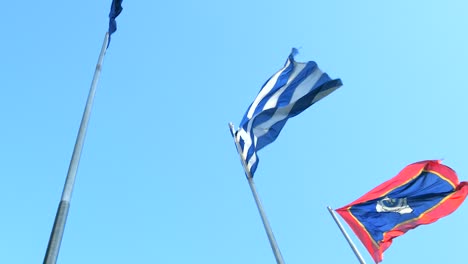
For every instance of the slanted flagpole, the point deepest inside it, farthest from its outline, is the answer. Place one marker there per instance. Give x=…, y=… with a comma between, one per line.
x=345, y=234
x=266, y=224
x=64, y=205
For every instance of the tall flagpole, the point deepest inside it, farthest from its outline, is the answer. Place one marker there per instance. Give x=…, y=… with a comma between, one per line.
x=266, y=224
x=61, y=217
x=345, y=234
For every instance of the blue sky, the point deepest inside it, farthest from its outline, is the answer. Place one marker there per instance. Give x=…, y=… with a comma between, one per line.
x=160, y=180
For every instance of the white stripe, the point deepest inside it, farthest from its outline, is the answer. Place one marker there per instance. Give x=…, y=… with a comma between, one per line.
x=280, y=114
x=247, y=144
x=265, y=90
x=283, y=112
x=323, y=94
x=273, y=101
x=247, y=141
x=306, y=85
x=251, y=162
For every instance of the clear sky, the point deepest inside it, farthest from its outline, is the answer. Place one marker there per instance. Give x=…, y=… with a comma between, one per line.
x=160, y=180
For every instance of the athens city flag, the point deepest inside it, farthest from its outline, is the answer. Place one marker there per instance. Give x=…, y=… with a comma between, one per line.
x=421, y=193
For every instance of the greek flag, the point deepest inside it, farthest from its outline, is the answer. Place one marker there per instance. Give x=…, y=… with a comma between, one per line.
x=286, y=94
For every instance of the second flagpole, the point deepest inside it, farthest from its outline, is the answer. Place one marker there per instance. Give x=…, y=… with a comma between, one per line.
x=266, y=224
x=345, y=234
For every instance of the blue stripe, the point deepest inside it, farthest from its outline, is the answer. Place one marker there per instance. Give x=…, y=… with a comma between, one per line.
x=306, y=101
x=271, y=135
x=254, y=166
x=241, y=143
x=280, y=82
x=250, y=153
x=285, y=98
x=299, y=106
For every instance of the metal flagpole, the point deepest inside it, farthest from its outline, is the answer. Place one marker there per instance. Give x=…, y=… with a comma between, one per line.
x=345, y=234
x=266, y=224
x=61, y=217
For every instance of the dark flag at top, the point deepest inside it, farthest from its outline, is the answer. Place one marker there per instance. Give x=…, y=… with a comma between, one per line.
x=115, y=10
x=421, y=193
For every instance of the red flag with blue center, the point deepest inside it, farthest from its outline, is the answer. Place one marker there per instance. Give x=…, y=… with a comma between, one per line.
x=421, y=193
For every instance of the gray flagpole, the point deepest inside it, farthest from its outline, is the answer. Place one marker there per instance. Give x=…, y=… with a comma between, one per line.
x=61, y=217
x=266, y=224
x=345, y=234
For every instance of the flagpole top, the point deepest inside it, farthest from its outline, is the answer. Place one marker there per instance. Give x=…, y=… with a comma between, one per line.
x=232, y=129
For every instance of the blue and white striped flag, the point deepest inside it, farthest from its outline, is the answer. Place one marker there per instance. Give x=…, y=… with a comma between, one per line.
x=286, y=94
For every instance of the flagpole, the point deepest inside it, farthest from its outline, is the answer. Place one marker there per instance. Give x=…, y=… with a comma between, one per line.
x=62, y=212
x=345, y=234
x=266, y=224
